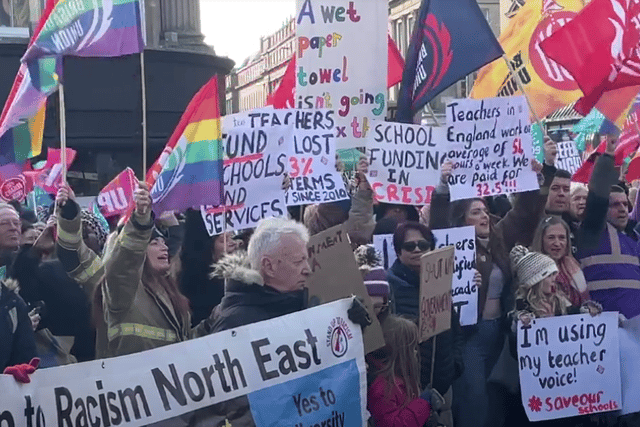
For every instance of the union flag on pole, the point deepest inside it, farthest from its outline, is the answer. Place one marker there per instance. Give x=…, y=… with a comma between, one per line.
x=548, y=85
x=600, y=48
x=450, y=40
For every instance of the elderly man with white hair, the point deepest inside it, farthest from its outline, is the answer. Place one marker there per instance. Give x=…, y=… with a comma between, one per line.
x=269, y=280
x=266, y=282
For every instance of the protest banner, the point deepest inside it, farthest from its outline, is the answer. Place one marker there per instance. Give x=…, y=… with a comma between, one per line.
x=384, y=245
x=436, y=277
x=404, y=161
x=464, y=292
x=116, y=197
x=490, y=147
x=568, y=156
x=341, y=63
x=569, y=365
x=335, y=275
x=251, y=157
x=301, y=369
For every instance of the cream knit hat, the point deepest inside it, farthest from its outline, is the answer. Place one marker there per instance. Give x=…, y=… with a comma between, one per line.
x=531, y=267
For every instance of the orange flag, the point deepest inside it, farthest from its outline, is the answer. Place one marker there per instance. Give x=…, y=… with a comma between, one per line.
x=548, y=85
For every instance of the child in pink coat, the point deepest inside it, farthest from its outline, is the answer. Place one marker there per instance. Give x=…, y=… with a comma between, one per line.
x=395, y=399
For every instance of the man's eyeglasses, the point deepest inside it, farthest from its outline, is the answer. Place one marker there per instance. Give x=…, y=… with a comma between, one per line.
x=423, y=245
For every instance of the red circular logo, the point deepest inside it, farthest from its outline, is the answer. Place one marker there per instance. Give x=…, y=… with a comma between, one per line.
x=13, y=189
x=549, y=71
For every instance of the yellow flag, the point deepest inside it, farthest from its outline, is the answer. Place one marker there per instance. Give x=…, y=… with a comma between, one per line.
x=548, y=85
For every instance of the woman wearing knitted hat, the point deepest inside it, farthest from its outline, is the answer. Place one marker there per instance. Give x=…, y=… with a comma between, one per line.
x=538, y=294
x=553, y=238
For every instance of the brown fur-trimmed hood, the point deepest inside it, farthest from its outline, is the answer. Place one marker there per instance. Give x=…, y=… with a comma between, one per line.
x=235, y=267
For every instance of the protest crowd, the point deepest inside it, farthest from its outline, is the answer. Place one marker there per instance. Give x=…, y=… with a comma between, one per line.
x=154, y=281
x=452, y=275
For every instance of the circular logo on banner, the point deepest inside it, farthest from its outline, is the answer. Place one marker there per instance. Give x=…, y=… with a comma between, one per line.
x=338, y=336
x=14, y=189
x=550, y=71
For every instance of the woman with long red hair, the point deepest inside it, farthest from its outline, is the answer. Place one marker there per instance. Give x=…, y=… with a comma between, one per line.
x=143, y=305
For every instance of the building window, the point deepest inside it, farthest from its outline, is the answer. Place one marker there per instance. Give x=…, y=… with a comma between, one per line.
x=400, y=35
x=16, y=13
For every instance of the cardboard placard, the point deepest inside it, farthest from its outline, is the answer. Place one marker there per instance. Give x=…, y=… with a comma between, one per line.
x=569, y=366
x=568, y=156
x=341, y=63
x=404, y=161
x=489, y=143
x=436, y=279
x=254, y=168
x=335, y=275
x=464, y=293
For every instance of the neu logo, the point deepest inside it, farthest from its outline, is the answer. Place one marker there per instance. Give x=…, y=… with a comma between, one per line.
x=437, y=46
x=14, y=189
x=338, y=336
x=550, y=71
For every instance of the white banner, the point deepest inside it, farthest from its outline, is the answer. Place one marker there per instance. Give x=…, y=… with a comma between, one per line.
x=254, y=168
x=489, y=143
x=569, y=365
x=464, y=293
x=342, y=63
x=305, y=368
x=404, y=161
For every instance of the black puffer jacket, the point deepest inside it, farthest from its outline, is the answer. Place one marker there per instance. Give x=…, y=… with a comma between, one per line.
x=17, y=343
x=246, y=300
x=405, y=289
x=68, y=310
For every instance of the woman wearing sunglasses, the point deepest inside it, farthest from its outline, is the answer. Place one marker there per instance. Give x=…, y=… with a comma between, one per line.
x=411, y=240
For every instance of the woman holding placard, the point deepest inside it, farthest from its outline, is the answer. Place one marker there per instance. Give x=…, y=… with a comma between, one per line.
x=473, y=402
x=411, y=240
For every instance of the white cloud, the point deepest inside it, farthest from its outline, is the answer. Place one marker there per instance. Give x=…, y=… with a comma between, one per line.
x=234, y=27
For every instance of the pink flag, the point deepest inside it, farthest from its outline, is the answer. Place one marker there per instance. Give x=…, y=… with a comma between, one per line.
x=116, y=197
x=49, y=178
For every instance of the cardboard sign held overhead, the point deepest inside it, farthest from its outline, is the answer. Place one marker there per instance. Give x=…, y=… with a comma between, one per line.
x=436, y=278
x=335, y=275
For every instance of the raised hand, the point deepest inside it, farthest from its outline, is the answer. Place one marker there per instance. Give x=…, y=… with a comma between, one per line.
x=142, y=199
x=550, y=150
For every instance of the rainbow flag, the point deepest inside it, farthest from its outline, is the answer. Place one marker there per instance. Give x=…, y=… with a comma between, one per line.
x=22, y=123
x=188, y=173
x=96, y=28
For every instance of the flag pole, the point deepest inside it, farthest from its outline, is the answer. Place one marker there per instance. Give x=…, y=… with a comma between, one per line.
x=63, y=134
x=433, y=115
x=143, y=83
x=526, y=97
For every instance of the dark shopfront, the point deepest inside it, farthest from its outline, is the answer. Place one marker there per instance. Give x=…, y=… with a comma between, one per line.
x=104, y=107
